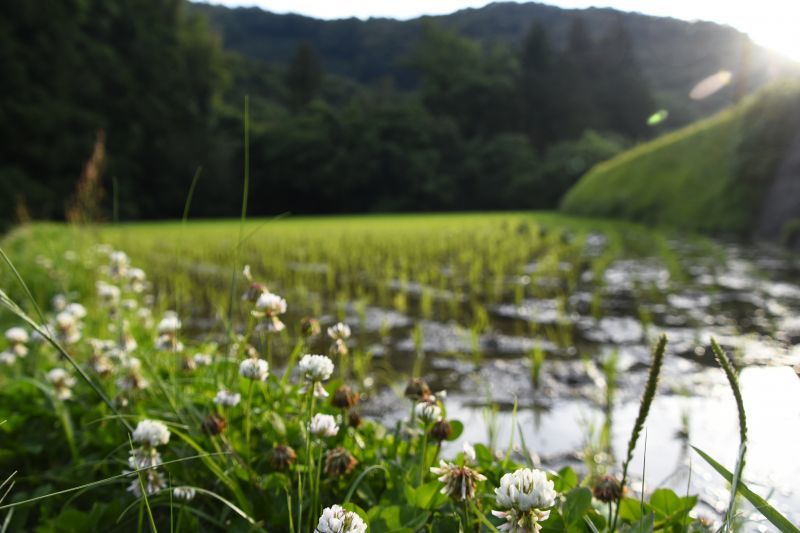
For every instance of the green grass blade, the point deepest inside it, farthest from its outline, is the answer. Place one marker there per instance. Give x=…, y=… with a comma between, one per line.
x=358, y=480
x=104, y=481
x=761, y=505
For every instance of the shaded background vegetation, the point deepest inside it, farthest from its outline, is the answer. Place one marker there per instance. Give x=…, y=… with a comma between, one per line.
x=497, y=108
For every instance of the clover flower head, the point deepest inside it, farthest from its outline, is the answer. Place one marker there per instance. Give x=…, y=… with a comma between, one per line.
x=316, y=368
x=132, y=379
x=336, y=519
x=62, y=382
x=201, y=359
x=17, y=335
x=339, y=462
x=170, y=324
x=185, y=494
x=76, y=310
x=282, y=457
x=525, y=497
x=460, y=482
x=137, y=279
x=151, y=433
x=428, y=412
x=118, y=264
x=67, y=328
x=323, y=426
x=340, y=331
x=469, y=452
x=140, y=458
x=227, y=398
x=271, y=304
x=255, y=369
x=65, y=320
x=58, y=303
x=108, y=294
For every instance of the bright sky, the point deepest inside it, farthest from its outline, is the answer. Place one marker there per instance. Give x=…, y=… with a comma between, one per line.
x=771, y=23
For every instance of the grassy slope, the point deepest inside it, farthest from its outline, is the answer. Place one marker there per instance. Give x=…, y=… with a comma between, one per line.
x=685, y=179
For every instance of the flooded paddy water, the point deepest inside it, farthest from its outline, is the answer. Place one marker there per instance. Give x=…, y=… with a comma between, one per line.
x=569, y=344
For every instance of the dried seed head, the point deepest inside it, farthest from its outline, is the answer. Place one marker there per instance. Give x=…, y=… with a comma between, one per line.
x=441, y=430
x=254, y=292
x=214, y=424
x=282, y=457
x=344, y=397
x=354, y=419
x=417, y=389
x=310, y=327
x=607, y=489
x=339, y=462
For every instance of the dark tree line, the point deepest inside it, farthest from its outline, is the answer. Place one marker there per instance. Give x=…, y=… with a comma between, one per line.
x=488, y=127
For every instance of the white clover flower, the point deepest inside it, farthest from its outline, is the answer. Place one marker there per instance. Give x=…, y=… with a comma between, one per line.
x=118, y=264
x=340, y=331
x=66, y=327
x=129, y=304
x=17, y=335
x=323, y=426
x=70, y=255
x=460, y=482
x=58, y=303
x=428, y=412
x=62, y=381
x=140, y=458
x=246, y=273
x=185, y=494
x=271, y=304
x=335, y=519
x=316, y=368
x=76, y=310
x=469, y=452
x=170, y=324
x=136, y=280
x=151, y=433
x=227, y=398
x=65, y=320
x=118, y=258
x=132, y=380
x=255, y=369
x=201, y=359
x=525, y=498
x=136, y=274
x=168, y=333
x=108, y=294
x=152, y=479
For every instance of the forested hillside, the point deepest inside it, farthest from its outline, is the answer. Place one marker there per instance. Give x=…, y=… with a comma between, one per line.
x=673, y=54
x=108, y=109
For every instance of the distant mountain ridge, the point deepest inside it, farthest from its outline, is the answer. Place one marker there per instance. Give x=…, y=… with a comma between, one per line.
x=673, y=54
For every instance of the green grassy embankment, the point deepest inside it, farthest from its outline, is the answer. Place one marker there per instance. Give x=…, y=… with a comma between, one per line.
x=710, y=176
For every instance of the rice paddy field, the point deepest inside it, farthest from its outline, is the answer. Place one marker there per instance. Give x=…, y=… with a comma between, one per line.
x=507, y=345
